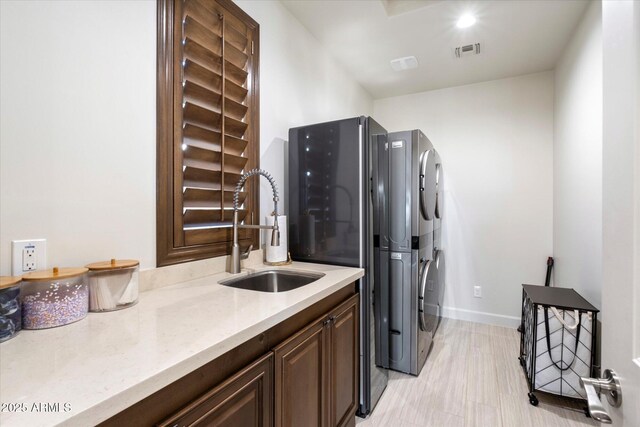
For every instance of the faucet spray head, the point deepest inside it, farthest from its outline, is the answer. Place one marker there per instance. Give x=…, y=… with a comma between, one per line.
x=275, y=234
x=275, y=237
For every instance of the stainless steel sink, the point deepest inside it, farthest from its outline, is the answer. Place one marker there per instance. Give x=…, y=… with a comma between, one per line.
x=273, y=280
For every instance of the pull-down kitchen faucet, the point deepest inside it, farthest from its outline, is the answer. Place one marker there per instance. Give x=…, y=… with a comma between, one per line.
x=275, y=234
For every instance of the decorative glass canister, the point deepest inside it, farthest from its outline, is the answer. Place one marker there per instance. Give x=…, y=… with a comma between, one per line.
x=10, y=312
x=54, y=297
x=113, y=285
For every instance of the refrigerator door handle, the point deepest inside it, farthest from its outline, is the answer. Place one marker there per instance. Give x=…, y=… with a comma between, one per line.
x=360, y=192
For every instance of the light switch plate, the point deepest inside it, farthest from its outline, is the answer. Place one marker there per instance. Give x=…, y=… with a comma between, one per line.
x=28, y=255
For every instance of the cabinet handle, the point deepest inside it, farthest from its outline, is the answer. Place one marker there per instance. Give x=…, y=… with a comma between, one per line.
x=330, y=320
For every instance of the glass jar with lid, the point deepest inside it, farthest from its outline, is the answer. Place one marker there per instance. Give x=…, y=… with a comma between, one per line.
x=113, y=285
x=54, y=297
x=10, y=312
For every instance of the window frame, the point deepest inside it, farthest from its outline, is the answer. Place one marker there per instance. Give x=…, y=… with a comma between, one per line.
x=168, y=250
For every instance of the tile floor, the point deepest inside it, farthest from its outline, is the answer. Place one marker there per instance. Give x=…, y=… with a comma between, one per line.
x=471, y=378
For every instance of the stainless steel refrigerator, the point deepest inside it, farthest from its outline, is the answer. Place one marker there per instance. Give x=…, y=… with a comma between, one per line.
x=331, y=220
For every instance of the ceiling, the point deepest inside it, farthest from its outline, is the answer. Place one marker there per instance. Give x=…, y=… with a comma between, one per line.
x=517, y=37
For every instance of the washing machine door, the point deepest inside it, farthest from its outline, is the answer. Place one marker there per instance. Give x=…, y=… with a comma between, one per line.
x=439, y=191
x=427, y=311
x=428, y=184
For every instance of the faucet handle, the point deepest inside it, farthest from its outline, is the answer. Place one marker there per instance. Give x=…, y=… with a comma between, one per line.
x=246, y=254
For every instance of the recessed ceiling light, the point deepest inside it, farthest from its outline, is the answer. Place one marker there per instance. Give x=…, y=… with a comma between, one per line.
x=466, y=21
x=406, y=63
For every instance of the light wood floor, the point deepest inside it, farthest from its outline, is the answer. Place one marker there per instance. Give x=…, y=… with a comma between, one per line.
x=471, y=378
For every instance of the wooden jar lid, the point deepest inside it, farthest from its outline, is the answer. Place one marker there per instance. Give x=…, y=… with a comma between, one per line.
x=55, y=273
x=113, y=264
x=8, y=281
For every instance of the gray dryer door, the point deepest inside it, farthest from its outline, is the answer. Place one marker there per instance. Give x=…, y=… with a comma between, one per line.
x=427, y=312
x=428, y=184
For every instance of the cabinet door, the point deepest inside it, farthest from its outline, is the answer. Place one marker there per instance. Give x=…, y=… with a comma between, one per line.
x=344, y=350
x=300, y=378
x=246, y=399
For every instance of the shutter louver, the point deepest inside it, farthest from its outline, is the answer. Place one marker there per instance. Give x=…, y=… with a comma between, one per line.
x=214, y=89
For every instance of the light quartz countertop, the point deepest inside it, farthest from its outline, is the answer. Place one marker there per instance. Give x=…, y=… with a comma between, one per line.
x=103, y=364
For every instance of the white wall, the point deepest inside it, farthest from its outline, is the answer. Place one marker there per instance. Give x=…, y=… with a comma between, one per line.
x=577, y=160
x=77, y=138
x=496, y=143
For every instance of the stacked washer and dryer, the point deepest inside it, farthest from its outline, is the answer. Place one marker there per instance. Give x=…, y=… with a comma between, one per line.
x=409, y=186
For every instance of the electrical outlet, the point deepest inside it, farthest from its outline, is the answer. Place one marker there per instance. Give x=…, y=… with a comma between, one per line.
x=29, y=262
x=477, y=291
x=28, y=255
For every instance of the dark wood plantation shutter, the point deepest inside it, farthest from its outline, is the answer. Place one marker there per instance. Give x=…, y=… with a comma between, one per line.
x=215, y=124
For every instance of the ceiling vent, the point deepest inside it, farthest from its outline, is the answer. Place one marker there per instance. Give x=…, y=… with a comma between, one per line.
x=467, y=50
x=398, y=7
x=406, y=63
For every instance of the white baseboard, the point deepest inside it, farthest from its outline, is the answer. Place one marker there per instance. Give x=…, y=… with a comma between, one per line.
x=480, y=317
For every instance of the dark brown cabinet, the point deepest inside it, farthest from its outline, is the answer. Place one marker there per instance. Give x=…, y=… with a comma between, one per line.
x=245, y=399
x=302, y=371
x=344, y=350
x=316, y=371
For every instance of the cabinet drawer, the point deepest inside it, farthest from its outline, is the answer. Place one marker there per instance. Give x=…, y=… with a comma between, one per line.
x=245, y=399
